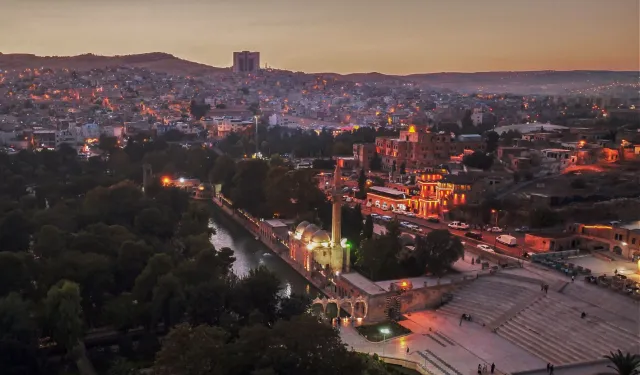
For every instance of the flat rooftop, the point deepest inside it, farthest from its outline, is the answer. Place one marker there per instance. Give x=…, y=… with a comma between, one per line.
x=386, y=190
x=363, y=283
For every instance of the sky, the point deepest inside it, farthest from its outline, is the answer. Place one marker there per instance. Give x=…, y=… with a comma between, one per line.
x=342, y=36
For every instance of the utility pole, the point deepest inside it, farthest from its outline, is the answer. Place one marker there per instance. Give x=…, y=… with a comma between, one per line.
x=257, y=145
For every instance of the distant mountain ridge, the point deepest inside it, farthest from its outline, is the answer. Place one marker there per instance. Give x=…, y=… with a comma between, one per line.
x=523, y=82
x=157, y=61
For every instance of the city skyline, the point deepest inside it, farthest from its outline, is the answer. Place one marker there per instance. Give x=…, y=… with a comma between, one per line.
x=342, y=37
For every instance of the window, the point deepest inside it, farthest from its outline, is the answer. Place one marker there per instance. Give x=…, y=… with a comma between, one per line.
x=633, y=241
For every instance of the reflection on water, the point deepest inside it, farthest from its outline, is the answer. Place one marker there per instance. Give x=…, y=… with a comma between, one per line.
x=251, y=253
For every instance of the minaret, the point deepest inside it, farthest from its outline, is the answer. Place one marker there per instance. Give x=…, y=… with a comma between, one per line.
x=336, y=217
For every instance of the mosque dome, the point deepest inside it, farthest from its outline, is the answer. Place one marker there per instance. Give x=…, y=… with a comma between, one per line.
x=309, y=231
x=320, y=237
x=300, y=228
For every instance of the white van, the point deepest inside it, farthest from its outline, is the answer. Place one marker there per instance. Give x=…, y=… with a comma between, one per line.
x=458, y=225
x=505, y=239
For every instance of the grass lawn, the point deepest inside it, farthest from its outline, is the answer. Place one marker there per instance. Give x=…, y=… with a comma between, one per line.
x=372, y=332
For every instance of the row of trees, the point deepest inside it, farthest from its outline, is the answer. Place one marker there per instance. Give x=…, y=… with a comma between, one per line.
x=386, y=258
x=298, y=142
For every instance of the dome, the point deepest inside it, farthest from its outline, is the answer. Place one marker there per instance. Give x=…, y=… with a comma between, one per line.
x=320, y=237
x=301, y=226
x=309, y=231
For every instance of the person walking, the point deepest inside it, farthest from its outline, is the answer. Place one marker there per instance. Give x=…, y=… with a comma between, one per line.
x=551, y=370
x=573, y=278
x=493, y=367
x=480, y=369
x=548, y=367
x=407, y=350
x=484, y=368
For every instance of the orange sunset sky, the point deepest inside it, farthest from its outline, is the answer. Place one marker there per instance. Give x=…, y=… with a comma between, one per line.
x=389, y=36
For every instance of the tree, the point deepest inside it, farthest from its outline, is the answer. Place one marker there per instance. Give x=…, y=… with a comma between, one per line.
x=367, y=231
x=378, y=257
x=223, y=172
x=16, y=323
x=14, y=274
x=276, y=161
x=376, y=162
x=107, y=143
x=543, y=217
x=578, y=183
x=15, y=232
x=492, y=139
x=122, y=312
x=152, y=222
x=64, y=314
x=257, y=291
x=190, y=350
x=198, y=110
x=479, y=160
x=169, y=302
x=362, y=185
x=624, y=364
x=437, y=251
x=294, y=305
x=248, y=186
x=132, y=259
x=159, y=264
x=49, y=242
x=206, y=302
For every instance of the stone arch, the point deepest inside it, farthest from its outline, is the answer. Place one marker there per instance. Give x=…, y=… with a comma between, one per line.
x=617, y=250
x=347, y=301
x=322, y=302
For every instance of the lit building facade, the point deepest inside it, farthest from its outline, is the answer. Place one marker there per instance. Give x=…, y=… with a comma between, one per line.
x=418, y=148
x=440, y=192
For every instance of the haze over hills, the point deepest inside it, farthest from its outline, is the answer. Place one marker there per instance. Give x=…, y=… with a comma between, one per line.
x=525, y=82
x=157, y=61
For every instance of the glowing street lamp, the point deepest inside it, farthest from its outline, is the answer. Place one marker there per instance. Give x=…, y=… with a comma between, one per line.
x=385, y=332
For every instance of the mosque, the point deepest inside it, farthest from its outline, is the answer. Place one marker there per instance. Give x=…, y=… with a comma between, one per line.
x=314, y=248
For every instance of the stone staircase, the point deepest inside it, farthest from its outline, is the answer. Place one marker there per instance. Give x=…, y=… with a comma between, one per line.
x=487, y=300
x=436, y=365
x=554, y=332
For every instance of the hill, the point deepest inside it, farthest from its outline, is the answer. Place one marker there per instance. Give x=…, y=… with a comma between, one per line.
x=156, y=61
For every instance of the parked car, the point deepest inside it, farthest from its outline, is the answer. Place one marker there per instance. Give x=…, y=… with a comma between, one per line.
x=486, y=248
x=474, y=235
x=458, y=225
x=433, y=219
x=410, y=214
x=494, y=229
x=386, y=218
x=369, y=204
x=397, y=212
x=373, y=216
x=404, y=224
x=505, y=239
x=523, y=229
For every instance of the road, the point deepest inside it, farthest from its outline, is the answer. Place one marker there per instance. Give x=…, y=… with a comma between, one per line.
x=488, y=238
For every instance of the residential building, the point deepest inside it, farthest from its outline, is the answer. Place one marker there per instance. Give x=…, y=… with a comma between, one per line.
x=246, y=62
x=622, y=239
x=363, y=153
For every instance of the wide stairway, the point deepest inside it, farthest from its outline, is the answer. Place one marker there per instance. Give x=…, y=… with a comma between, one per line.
x=554, y=332
x=487, y=300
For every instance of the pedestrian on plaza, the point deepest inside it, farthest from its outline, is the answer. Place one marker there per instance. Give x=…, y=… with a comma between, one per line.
x=548, y=367
x=493, y=367
x=583, y=315
x=479, y=369
x=484, y=368
x=542, y=287
x=551, y=370
x=615, y=272
x=573, y=278
x=407, y=350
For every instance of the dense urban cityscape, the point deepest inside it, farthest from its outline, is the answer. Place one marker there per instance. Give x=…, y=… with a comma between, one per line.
x=161, y=216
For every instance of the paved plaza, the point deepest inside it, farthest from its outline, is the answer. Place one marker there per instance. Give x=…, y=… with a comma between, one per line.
x=516, y=326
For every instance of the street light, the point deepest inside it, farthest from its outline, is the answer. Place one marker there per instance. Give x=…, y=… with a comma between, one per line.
x=385, y=332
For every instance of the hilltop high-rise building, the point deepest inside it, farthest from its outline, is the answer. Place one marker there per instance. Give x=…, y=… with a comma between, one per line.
x=246, y=62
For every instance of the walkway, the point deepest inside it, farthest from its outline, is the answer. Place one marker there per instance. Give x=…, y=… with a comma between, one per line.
x=441, y=345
